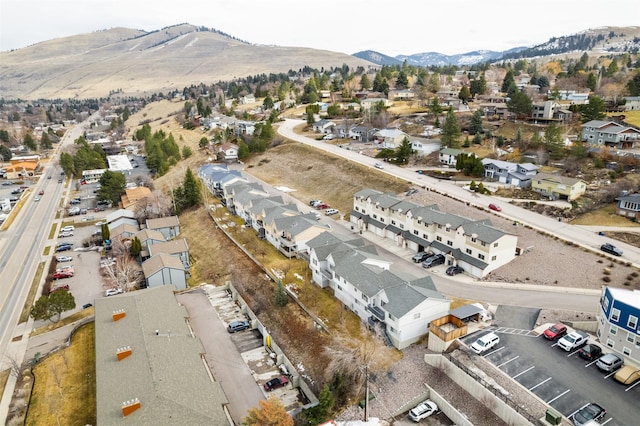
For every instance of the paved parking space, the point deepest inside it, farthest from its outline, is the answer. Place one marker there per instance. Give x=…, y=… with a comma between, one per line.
x=561, y=379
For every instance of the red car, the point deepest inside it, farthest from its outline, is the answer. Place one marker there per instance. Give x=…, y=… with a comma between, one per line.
x=62, y=274
x=555, y=332
x=495, y=207
x=41, y=193
x=278, y=382
x=60, y=287
x=322, y=206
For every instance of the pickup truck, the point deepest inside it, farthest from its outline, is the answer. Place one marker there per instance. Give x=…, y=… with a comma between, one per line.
x=573, y=340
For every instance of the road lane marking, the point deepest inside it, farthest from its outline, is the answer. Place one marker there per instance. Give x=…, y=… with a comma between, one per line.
x=525, y=371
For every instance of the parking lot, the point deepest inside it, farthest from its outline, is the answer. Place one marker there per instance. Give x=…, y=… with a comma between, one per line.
x=561, y=379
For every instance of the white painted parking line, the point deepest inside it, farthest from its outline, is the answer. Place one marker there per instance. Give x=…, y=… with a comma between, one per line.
x=591, y=363
x=508, y=361
x=610, y=419
x=632, y=386
x=573, y=353
x=609, y=375
x=493, y=352
x=562, y=394
x=540, y=384
x=521, y=373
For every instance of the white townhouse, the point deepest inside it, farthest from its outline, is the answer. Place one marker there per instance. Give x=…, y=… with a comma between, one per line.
x=476, y=246
x=291, y=233
x=230, y=191
x=403, y=306
x=244, y=200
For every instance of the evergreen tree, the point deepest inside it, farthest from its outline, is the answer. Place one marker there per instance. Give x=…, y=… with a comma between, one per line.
x=477, y=139
x=320, y=413
x=105, y=232
x=45, y=141
x=365, y=84
x=478, y=86
x=520, y=104
x=136, y=247
x=268, y=102
x=380, y=84
x=112, y=186
x=593, y=110
x=191, y=190
x=281, y=298
x=29, y=143
x=476, y=123
x=402, y=82
x=186, y=152
x=404, y=151
x=508, y=81
x=592, y=82
x=6, y=153
x=612, y=68
x=464, y=95
x=451, y=132
x=203, y=142
x=51, y=307
x=553, y=141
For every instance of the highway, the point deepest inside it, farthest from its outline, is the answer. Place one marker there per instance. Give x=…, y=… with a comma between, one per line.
x=511, y=294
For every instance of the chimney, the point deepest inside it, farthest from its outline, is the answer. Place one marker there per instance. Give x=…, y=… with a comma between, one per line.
x=119, y=314
x=129, y=407
x=123, y=352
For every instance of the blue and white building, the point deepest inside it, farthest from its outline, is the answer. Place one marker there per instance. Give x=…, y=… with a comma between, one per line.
x=618, y=322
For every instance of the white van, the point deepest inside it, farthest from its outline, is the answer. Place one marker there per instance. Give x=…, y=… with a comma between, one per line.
x=485, y=343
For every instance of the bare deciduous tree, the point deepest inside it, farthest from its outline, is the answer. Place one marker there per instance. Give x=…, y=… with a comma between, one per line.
x=124, y=274
x=155, y=205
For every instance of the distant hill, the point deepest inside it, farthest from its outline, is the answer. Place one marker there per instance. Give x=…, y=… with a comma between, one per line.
x=596, y=41
x=137, y=63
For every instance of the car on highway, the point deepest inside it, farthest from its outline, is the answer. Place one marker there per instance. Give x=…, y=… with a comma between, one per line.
x=63, y=247
x=609, y=362
x=423, y=410
x=590, y=352
x=36, y=199
x=64, y=259
x=627, y=375
x=588, y=413
x=436, y=259
x=41, y=192
x=378, y=166
x=495, y=207
x=454, y=270
x=611, y=249
x=278, y=382
x=330, y=212
x=484, y=343
x=421, y=256
x=236, y=326
x=555, y=332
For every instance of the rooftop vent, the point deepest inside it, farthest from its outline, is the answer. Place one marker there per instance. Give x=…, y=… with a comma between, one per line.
x=119, y=314
x=123, y=352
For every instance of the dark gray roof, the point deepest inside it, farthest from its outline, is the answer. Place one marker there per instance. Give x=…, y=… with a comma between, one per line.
x=165, y=372
x=365, y=193
x=484, y=231
x=465, y=311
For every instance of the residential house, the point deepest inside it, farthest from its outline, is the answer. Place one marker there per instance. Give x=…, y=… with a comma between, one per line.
x=227, y=152
x=123, y=231
x=323, y=126
x=558, y=187
x=368, y=103
x=599, y=133
x=520, y=175
x=247, y=99
x=148, y=237
x=449, y=156
x=244, y=128
x=477, y=246
x=423, y=146
x=401, y=304
x=133, y=196
x=290, y=233
x=390, y=138
x=629, y=206
x=549, y=111
x=401, y=94
x=178, y=248
x=168, y=226
x=149, y=365
x=632, y=103
x=618, y=326
x=361, y=133
x=164, y=269
x=121, y=216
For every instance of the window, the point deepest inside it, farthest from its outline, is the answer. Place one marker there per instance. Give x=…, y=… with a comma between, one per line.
x=493, y=258
x=416, y=315
x=339, y=287
x=425, y=236
x=626, y=351
x=419, y=222
x=439, y=238
x=610, y=343
x=365, y=298
x=401, y=226
x=495, y=244
x=439, y=226
x=631, y=337
x=382, y=219
x=473, y=239
x=483, y=244
x=415, y=232
x=449, y=242
x=480, y=256
x=448, y=229
x=468, y=251
x=615, y=314
x=375, y=216
x=613, y=330
x=605, y=303
x=632, y=322
x=393, y=222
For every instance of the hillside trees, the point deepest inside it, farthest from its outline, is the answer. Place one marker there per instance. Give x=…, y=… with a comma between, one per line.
x=470, y=165
x=380, y=84
x=508, y=82
x=476, y=122
x=520, y=104
x=478, y=86
x=189, y=194
x=451, y=132
x=112, y=186
x=29, y=143
x=162, y=151
x=593, y=110
x=553, y=141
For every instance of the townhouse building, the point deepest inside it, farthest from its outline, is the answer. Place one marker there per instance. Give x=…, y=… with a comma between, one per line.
x=599, y=133
x=619, y=322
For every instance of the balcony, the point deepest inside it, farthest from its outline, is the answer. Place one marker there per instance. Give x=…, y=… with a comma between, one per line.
x=377, y=312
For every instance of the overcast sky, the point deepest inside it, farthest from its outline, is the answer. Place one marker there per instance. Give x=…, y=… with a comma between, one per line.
x=348, y=26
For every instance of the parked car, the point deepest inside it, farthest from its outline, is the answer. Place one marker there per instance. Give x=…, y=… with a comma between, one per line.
x=378, y=166
x=67, y=269
x=75, y=201
x=314, y=202
x=495, y=207
x=328, y=137
x=411, y=192
x=421, y=256
x=330, y=212
x=64, y=258
x=65, y=234
x=611, y=249
x=86, y=305
x=99, y=209
x=590, y=352
x=609, y=362
x=60, y=287
x=588, y=413
x=321, y=206
x=627, y=375
x=63, y=247
x=437, y=259
x=278, y=382
x=485, y=343
x=238, y=326
x=68, y=228
x=74, y=211
x=454, y=270
x=423, y=410
x=62, y=274
x=112, y=292
x=573, y=340
x=555, y=332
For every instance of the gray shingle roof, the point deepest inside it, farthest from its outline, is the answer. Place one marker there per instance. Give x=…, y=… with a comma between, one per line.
x=163, y=222
x=165, y=372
